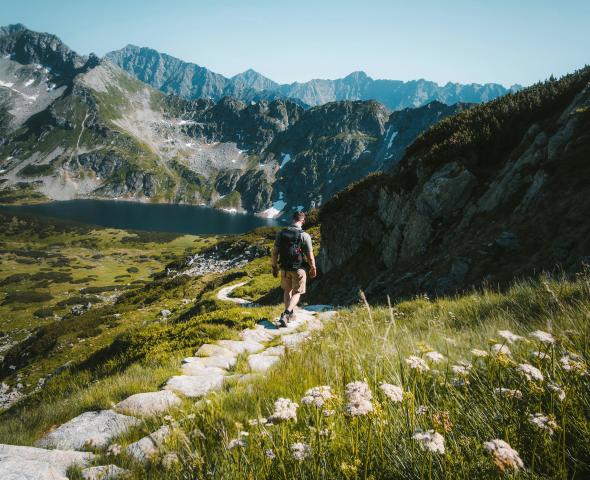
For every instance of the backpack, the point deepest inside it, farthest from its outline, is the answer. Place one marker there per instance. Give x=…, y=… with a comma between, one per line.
x=290, y=251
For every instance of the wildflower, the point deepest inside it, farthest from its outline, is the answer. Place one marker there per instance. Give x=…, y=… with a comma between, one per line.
x=463, y=368
x=422, y=410
x=191, y=416
x=504, y=455
x=531, y=373
x=236, y=442
x=359, y=399
x=350, y=469
x=571, y=363
x=509, y=336
x=284, y=409
x=300, y=451
x=393, y=392
x=543, y=337
x=169, y=418
x=501, y=349
x=268, y=453
x=325, y=432
x=317, y=396
x=539, y=355
x=558, y=390
x=508, y=392
x=257, y=421
x=435, y=357
x=416, y=363
x=442, y=420
x=543, y=422
x=114, y=450
x=169, y=460
x=328, y=413
x=479, y=353
x=430, y=440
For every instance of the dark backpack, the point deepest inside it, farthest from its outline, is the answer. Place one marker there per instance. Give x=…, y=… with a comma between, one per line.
x=290, y=251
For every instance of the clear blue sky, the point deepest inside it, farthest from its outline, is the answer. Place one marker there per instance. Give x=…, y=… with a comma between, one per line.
x=516, y=41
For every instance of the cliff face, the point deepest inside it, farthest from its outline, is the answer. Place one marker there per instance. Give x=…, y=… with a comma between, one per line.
x=497, y=192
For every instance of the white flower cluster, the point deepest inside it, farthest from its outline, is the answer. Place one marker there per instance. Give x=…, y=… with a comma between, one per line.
x=257, y=421
x=284, y=409
x=435, y=357
x=393, y=392
x=543, y=422
x=359, y=398
x=300, y=451
x=539, y=355
x=317, y=396
x=504, y=455
x=543, y=337
x=572, y=363
x=462, y=368
x=509, y=336
x=479, y=353
x=508, y=392
x=238, y=442
x=430, y=440
x=553, y=387
x=501, y=349
x=416, y=363
x=530, y=373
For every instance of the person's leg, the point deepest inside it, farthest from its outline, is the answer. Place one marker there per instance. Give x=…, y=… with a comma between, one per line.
x=286, y=298
x=293, y=301
x=298, y=281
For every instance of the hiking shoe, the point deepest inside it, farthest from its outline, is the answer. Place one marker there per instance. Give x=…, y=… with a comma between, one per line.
x=290, y=316
x=283, y=319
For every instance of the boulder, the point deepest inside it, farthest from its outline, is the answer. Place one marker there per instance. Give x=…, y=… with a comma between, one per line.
x=38, y=463
x=144, y=449
x=210, y=350
x=249, y=346
x=259, y=362
x=94, y=429
x=149, y=403
x=103, y=472
x=213, y=362
x=195, y=385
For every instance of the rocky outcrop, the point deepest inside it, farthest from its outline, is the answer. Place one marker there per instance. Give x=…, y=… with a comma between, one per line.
x=487, y=214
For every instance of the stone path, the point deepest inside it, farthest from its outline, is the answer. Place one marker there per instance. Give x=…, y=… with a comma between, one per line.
x=206, y=371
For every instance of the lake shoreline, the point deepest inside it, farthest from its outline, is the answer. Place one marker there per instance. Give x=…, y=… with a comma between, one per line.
x=147, y=216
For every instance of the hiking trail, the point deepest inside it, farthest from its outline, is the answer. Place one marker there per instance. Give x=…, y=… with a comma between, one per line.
x=208, y=370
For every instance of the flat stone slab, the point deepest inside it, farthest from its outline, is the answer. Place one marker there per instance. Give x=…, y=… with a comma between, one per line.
x=218, y=362
x=261, y=363
x=276, y=351
x=195, y=368
x=210, y=350
x=195, y=386
x=58, y=460
x=295, y=339
x=18, y=469
x=149, y=403
x=103, y=472
x=94, y=429
x=144, y=449
x=260, y=333
x=241, y=346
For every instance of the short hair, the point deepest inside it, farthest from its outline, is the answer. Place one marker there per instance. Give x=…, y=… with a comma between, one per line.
x=298, y=216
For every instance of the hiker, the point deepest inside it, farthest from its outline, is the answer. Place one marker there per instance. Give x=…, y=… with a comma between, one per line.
x=291, y=245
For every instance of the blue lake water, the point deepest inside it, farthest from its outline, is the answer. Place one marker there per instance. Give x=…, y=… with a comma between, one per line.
x=148, y=216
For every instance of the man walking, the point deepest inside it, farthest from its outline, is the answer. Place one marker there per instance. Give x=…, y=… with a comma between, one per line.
x=292, y=244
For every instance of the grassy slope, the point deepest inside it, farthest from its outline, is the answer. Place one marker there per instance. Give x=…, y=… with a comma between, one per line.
x=120, y=346
x=372, y=345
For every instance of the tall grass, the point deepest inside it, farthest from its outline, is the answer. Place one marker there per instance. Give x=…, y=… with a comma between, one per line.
x=217, y=438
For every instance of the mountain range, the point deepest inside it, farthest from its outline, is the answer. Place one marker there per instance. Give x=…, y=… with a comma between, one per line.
x=77, y=127
x=172, y=75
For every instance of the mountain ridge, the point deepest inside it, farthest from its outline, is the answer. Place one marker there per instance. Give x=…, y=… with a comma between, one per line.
x=394, y=94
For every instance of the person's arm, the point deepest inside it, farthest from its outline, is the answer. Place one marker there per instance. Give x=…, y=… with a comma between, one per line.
x=274, y=259
x=310, y=257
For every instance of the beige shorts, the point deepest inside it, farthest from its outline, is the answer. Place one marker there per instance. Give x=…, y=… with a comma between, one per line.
x=293, y=280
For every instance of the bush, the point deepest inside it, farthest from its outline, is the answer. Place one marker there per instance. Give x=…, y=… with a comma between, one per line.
x=26, y=297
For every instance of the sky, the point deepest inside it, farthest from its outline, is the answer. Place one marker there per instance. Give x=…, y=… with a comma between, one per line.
x=502, y=41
